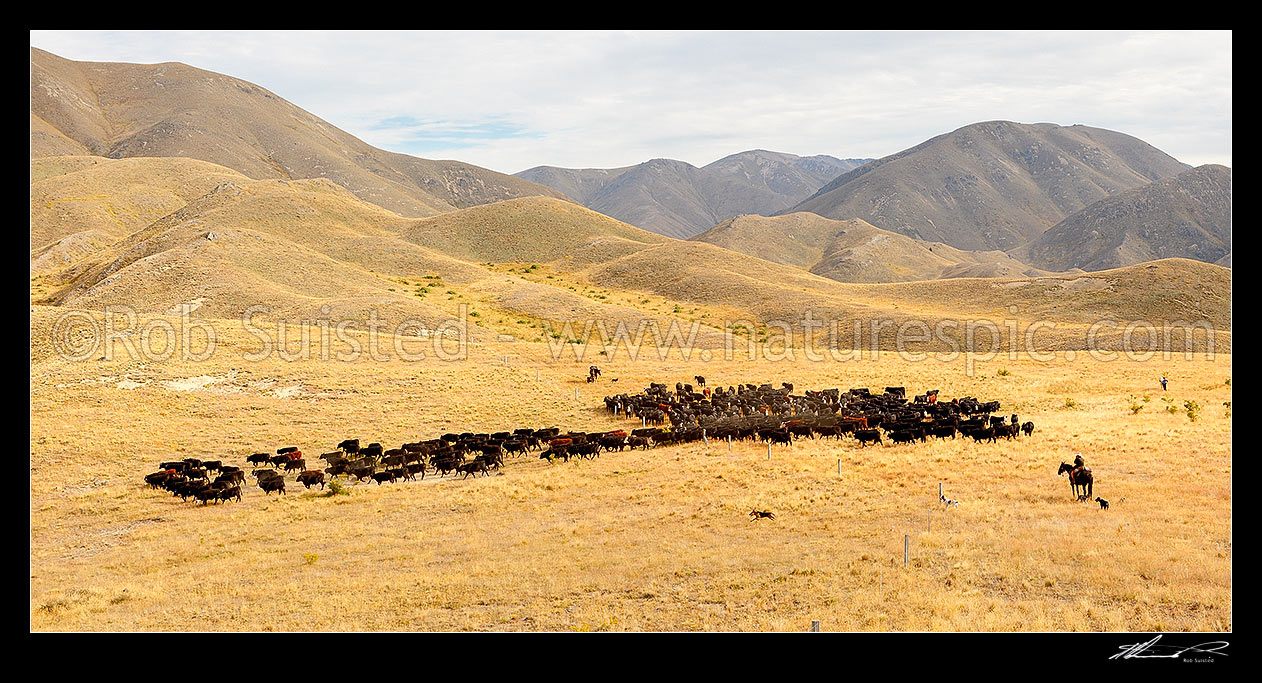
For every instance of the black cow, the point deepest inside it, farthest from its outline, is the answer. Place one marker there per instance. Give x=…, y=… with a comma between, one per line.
x=259, y=459
x=157, y=478
x=902, y=435
x=310, y=478
x=473, y=468
x=866, y=435
x=777, y=436
x=414, y=468
x=231, y=478
x=229, y=492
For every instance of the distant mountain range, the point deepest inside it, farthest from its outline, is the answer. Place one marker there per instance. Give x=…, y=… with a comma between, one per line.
x=992, y=185
x=677, y=199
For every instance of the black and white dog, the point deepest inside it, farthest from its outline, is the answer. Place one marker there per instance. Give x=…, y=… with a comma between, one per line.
x=1104, y=504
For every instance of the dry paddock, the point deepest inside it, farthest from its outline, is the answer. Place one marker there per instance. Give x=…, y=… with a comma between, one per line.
x=656, y=540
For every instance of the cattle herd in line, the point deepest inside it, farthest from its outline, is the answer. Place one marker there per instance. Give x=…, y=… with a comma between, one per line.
x=741, y=413
x=777, y=415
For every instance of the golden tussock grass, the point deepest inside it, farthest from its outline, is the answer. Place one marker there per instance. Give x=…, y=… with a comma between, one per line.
x=656, y=540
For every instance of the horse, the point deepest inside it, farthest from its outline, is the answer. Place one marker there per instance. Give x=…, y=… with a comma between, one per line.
x=1077, y=478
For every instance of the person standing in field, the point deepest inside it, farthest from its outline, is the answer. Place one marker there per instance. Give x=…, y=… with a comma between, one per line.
x=1163, y=382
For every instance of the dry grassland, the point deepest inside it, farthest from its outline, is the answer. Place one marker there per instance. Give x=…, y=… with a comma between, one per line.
x=656, y=540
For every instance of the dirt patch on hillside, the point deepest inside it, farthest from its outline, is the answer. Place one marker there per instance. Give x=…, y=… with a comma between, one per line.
x=222, y=385
x=1085, y=284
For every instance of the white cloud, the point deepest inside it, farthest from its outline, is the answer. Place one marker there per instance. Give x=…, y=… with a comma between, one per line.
x=509, y=101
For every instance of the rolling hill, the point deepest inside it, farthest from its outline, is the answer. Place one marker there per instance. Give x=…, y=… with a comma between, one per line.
x=992, y=185
x=677, y=199
x=174, y=110
x=854, y=250
x=85, y=200
x=1187, y=216
x=310, y=248
x=710, y=284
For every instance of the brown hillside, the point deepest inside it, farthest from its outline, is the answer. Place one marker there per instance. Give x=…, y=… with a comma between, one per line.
x=527, y=230
x=300, y=246
x=854, y=250
x=726, y=285
x=128, y=110
x=310, y=249
x=115, y=197
x=47, y=141
x=1187, y=216
x=992, y=185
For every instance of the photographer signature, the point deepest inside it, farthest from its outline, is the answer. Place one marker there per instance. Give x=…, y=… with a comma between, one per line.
x=1155, y=651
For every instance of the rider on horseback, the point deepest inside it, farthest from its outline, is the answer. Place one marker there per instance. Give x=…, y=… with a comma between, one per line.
x=1080, y=465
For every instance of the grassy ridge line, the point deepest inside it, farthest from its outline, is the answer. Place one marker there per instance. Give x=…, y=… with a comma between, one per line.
x=172, y=109
x=642, y=276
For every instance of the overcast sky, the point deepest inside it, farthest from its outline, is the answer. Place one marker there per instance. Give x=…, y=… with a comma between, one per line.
x=509, y=101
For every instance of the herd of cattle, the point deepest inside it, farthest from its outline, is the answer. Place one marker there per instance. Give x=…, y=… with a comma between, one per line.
x=777, y=415
x=747, y=412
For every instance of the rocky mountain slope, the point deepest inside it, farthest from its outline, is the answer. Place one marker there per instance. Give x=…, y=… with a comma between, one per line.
x=1187, y=216
x=992, y=185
